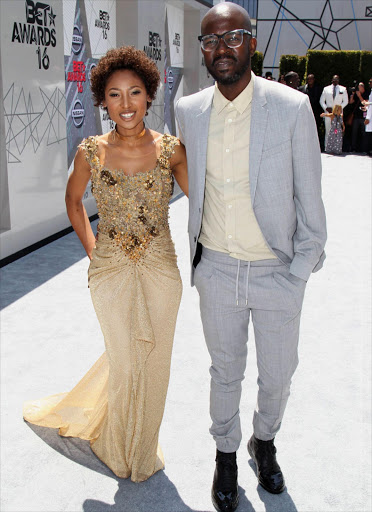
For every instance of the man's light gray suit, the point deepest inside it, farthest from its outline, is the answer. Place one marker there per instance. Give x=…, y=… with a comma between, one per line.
x=285, y=185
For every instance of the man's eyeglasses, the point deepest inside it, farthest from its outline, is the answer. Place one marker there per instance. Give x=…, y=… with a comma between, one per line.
x=232, y=39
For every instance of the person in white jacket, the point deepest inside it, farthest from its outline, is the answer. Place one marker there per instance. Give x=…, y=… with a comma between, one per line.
x=333, y=94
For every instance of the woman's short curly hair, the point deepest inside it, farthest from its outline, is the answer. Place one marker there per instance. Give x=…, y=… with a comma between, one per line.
x=125, y=57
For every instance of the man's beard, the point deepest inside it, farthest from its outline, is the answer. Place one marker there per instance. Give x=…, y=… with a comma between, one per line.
x=228, y=80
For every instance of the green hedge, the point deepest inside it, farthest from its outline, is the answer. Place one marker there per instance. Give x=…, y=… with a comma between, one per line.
x=349, y=65
x=257, y=63
x=324, y=64
x=293, y=63
x=365, y=66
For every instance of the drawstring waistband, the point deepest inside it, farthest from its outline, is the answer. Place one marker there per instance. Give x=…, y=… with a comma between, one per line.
x=224, y=259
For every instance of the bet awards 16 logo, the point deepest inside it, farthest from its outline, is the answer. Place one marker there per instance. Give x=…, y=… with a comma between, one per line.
x=37, y=30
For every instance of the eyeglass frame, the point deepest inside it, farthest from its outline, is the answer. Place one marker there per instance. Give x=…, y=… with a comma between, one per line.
x=222, y=36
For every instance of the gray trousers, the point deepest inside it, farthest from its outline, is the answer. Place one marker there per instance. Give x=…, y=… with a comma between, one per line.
x=230, y=291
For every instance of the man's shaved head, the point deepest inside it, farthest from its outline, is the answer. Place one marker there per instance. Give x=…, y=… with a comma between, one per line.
x=226, y=10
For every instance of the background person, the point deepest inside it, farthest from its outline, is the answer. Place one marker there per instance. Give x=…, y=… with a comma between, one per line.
x=133, y=276
x=314, y=91
x=256, y=230
x=368, y=121
x=357, y=99
x=292, y=79
x=334, y=142
x=334, y=94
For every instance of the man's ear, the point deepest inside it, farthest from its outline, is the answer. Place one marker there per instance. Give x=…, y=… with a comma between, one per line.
x=252, y=46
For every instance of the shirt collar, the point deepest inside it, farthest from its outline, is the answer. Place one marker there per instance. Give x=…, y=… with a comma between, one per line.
x=241, y=102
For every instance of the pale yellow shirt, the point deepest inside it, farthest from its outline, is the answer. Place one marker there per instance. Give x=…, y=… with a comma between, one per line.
x=229, y=224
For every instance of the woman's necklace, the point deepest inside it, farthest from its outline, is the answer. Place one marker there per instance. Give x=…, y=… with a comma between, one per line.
x=128, y=138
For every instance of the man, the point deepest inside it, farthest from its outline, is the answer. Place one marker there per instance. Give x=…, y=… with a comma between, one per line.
x=257, y=231
x=314, y=91
x=292, y=79
x=333, y=94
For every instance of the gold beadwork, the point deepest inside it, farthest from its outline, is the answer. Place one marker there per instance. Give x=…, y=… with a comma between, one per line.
x=132, y=209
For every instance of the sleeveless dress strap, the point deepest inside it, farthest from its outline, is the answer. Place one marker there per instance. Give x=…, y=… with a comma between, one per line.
x=167, y=144
x=90, y=147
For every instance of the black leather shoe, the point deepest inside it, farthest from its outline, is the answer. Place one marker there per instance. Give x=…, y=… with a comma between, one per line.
x=225, y=495
x=269, y=473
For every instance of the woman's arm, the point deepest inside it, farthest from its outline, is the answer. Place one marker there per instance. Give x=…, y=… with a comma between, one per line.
x=76, y=212
x=178, y=165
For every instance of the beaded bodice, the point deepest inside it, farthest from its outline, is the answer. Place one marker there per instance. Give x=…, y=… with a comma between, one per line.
x=132, y=209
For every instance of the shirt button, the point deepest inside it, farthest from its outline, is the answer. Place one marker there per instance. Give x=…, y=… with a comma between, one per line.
x=230, y=206
x=229, y=120
x=229, y=236
x=227, y=150
x=228, y=180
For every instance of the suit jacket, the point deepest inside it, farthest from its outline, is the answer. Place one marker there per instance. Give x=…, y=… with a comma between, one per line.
x=341, y=98
x=314, y=94
x=284, y=171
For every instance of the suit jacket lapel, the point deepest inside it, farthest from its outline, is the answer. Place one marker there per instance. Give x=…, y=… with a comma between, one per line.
x=259, y=118
x=201, y=129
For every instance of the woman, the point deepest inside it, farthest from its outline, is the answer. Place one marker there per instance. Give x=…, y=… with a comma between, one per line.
x=133, y=276
x=357, y=99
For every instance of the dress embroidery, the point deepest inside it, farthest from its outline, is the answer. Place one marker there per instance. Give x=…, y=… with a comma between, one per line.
x=132, y=209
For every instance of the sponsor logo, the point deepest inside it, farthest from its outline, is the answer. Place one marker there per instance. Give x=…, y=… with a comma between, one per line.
x=77, y=40
x=78, y=114
x=170, y=79
x=93, y=65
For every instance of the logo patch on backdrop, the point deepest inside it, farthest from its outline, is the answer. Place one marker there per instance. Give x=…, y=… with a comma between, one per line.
x=38, y=29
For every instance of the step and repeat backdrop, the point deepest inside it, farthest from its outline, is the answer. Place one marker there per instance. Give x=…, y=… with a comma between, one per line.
x=48, y=50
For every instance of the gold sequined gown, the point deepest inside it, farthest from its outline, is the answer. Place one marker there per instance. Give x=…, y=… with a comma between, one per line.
x=136, y=290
